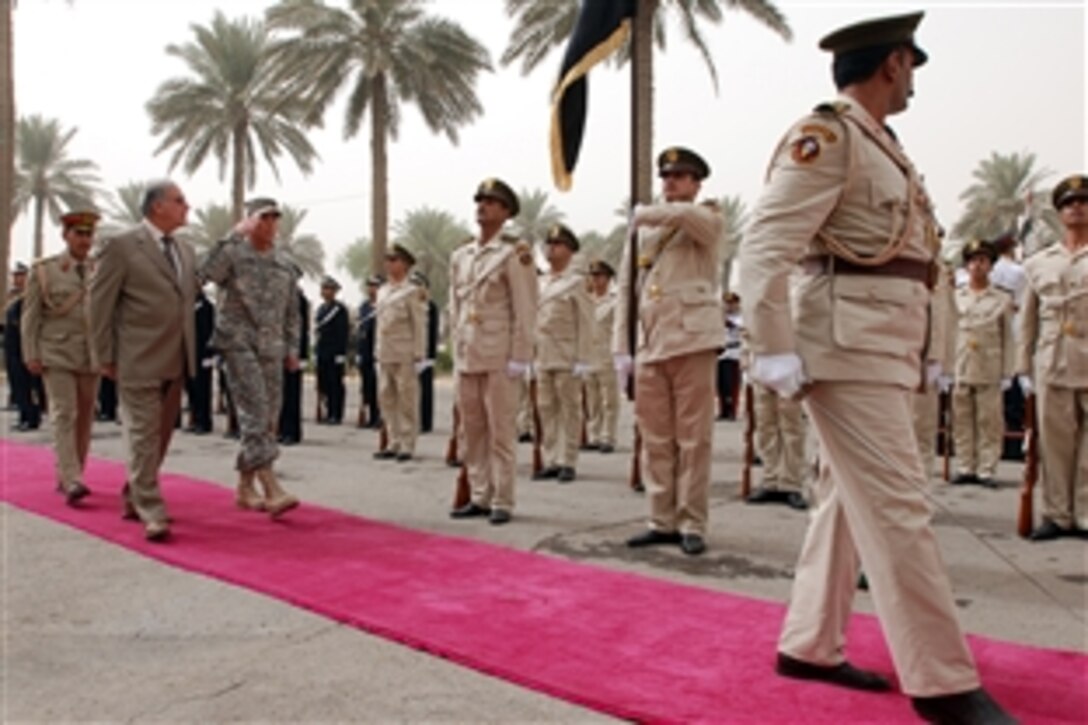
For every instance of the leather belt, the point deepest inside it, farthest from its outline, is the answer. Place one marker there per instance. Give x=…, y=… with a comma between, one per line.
x=915, y=269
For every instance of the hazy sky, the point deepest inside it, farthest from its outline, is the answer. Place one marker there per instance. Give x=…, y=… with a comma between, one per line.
x=1002, y=76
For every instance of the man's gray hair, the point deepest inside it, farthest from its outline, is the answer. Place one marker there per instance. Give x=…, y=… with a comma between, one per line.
x=153, y=192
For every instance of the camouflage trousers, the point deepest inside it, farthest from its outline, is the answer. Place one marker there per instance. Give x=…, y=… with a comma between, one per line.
x=256, y=389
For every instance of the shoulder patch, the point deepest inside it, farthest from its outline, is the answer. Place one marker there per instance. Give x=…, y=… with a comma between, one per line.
x=805, y=149
x=832, y=108
x=522, y=249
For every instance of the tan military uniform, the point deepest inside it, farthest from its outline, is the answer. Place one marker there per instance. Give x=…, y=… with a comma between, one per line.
x=940, y=350
x=493, y=300
x=838, y=182
x=984, y=357
x=401, y=343
x=1054, y=352
x=602, y=388
x=56, y=332
x=679, y=333
x=780, y=440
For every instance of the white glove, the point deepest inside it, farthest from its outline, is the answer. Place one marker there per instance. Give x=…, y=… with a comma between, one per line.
x=516, y=368
x=580, y=370
x=933, y=371
x=783, y=373
x=1006, y=383
x=420, y=366
x=1026, y=386
x=426, y=364
x=623, y=365
x=208, y=362
x=340, y=359
x=945, y=383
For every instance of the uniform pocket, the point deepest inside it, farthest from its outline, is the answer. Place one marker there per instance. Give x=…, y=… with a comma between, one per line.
x=700, y=311
x=880, y=315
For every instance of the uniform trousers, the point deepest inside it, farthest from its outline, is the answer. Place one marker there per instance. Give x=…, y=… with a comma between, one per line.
x=780, y=440
x=559, y=403
x=199, y=392
x=674, y=407
x=398, y=390
x=369, y=393
x=1063, y=452
x=524, y=416
x=72, y=395
x=870, y=502
x=927, y=419
x=977, y=427
x=330, y=381
x=487, y=402
x=256, y=389
x=603, y=403
x=148, y=412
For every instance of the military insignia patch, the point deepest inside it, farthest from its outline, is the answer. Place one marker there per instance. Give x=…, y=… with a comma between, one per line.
x=805, y=150
x=524, y=252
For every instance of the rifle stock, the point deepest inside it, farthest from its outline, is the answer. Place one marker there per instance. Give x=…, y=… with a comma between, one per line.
x=383, y=437
x=1026, y=514
x=451, y=445
x=462, y=492
x=538, y=455
x=944, y=425
x=635, y=478
x=749, y=442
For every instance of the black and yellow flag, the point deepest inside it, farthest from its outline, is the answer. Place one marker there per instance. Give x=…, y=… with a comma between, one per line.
x=602, y=27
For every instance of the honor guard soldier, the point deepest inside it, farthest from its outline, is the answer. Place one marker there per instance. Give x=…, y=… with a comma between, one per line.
x=844, y=201
x=290, y=428
x=57, y=346
x=1053, y=361
x=602, y=389
x=198, y=388
x=331, y=327
x=426, y=373
x=364, y=359
x=564, y=347
x=985, y=357
x=400, y=347
x=493, y=304
x=679, y=334
x=26, y=389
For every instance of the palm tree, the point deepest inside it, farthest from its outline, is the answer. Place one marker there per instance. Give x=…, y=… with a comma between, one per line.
x=232, y=107
x=356, y=260
x=7, y=141
x=432, y=235
x=735, y=213
x=305, y=250
x=45, y=178
x=536, y=216
x=541, y=25
x=213, y=223
x=385, y=52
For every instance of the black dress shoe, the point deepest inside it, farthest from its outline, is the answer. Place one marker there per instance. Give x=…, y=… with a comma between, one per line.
x=653, y=538
x=453, y=463
x=692, y=544
x=499, y=517
x=470, y=510
x=964, y=478
x=402, y=457
x=606, y=448
x=590, y=447
x=843, y=674
x=1048, y=531
x=546, y=473
x=766, y=495
x=565, y=475
x=974, y=707
x=76, y=493
x=387, y=454
x=795, y=500
x=987, y=482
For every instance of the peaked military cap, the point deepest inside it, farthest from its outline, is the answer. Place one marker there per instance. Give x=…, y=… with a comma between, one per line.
x=682, y=160
x=375, y=280
x=329, y=282
x=20, y=268
x=894, y=30
x=599, y=266
x=563, y=235
x=498, y=190
x=1069, y=188
x=977, y=247
x=1003, y=243
x=399, y=251
x=80, y=219
x=261, y=206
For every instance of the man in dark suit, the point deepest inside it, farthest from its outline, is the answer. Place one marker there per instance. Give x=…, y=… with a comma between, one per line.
x=26, y=389
x=198, y=388
x=426, y=373
x=291, y=410
x=331, y=326
x=365, y=354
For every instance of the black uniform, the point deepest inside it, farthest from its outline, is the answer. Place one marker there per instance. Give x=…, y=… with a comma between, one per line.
x=365, y=358
x=426, y=377
x=199, y=386
x=291, y=410
x=331, y=327
x=27, y=389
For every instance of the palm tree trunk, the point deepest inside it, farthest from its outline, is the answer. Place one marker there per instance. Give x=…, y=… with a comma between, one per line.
x=39, y=220
x=642, y=101
x=238, y=172
x=7, y=142
x=379, y=173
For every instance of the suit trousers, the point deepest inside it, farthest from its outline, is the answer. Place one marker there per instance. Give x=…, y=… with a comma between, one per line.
x=148, y=413
x=330, y=381
x=603, y=402
x=977, y=428
x=73, y=397
x=927, y=418
x=398, y=390
x=559, y=403
x=1063, y=452
x=870, y=502
x=256, y=388
x=198, y=390
x=487, y=401
x=674, y=408
x=780, y=440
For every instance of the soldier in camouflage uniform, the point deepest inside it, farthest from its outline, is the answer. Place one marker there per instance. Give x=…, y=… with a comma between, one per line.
x=257, y=332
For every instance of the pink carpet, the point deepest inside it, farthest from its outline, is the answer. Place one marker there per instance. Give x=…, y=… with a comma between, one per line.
x=623, y=644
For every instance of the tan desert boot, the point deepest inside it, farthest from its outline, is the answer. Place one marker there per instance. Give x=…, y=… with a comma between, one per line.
x=278, y=501
x=248, y=497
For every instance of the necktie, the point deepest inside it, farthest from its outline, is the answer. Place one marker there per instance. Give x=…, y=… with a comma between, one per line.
x=168, y=251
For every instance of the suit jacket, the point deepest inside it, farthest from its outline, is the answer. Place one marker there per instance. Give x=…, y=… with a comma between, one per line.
x=55, y=326
x=401, y=324
x=331, y=327
x=839, y=178
x=564, y=322
x=1054, y=321
x=141, y=310
x=984, y=345
x=367, y=333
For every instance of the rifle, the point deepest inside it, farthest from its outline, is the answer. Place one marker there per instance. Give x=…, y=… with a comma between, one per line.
x=317, y=399
x=749, y=443
x=538, y=456
x=635, y=479
x=1026, y=514
x=383, y=437
x=451, y=446
x=462, y=492
x=944, y=425
x=585, y=418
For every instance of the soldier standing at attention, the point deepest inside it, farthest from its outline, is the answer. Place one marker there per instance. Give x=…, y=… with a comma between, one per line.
x=26, y=389
x=679, y=335
x=564, y=345
x=493, y=293
x=984, y=368
x=257, y=333
x=1053, y=362
x=331, y=328
x=843, y=200
x=602, y=390
x=399, y=350
x=57, y=346
x=365, y=354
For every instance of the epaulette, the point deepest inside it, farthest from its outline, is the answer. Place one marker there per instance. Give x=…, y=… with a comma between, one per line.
x=832, y=108
x=509, y=238
x=40, y=261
